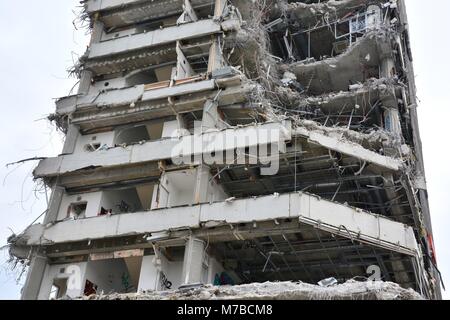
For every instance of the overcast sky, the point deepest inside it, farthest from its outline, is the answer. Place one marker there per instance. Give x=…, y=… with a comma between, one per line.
x=39, y=43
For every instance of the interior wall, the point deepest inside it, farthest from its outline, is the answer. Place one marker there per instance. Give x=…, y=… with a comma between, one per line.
x=115, y=83
x=178, y=188
x=150, y=279
x=134, y=270
x=216, y=193
x=145, y=193
x=155, y=130
x=149, y=275
x=171, y=129
x=74, y=273
x=214, y=268
x=131, y=135
x=93, y=200
x=175, y=189
x=107, y=275
x=105, y=138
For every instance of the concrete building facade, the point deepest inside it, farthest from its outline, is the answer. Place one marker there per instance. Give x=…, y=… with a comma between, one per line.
x=230, y=142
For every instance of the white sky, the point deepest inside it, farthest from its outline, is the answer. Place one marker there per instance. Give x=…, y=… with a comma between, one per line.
x=39, y=43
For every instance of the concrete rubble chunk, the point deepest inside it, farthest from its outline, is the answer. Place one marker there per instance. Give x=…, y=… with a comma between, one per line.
x=351, y=290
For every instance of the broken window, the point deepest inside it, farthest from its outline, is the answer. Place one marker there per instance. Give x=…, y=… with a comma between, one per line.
x=77, y=210
x=91, y=147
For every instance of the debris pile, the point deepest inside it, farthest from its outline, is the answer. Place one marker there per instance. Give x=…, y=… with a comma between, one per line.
x=351, y=290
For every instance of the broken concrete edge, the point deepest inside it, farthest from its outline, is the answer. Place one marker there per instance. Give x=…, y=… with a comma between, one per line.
x=314, y=133
x=137, y=94
x=156, y=38
x=103, y=51
x=377, y=37
x=373, y=85
x=92, y=7
x=224, y=139
x=346, y=221
x=351, y=149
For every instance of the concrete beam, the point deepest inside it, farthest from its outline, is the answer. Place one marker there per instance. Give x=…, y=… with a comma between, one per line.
x=34, y=279
x=126, y=12
x=328, y=216
x=99, y=5
x=162, y=149
x=194, y=256
x=127, y=96
x=349, y=148
x=311, y=13
x=155, y=38
x=91, y=118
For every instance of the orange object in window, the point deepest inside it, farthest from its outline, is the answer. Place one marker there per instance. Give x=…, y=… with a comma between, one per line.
x=433, y=250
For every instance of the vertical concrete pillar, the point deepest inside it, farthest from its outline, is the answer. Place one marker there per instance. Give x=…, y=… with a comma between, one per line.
x=71, y=139
x=215, y=60
x=54, y=205
x=387, y=67
x=85, y=82
x=189, y=14
x=201, y=185
x=392, y=121
x=184, y=68
x=212, y=119
x=176, y=128
x=34, y=278
x=391, y=114
x=97, y=30
x=193, y=261
x=219, y=8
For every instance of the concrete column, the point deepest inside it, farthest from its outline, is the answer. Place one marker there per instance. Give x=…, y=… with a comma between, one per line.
x=219, y=8
x=193, y=261
x=189, y=14
x=86, y=75
x=54, y=205
x=216, y=60
x=175, y=128
x=85, y=82
x=392, y=121
x=212, y=119
x=390, y=114
x=201, y=185
x=387, y=67
x=34, y=278
x=71, y=139
x=97, y=30
x=184, y=69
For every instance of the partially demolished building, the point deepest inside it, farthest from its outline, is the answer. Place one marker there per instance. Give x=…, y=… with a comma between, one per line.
x=232, y=142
